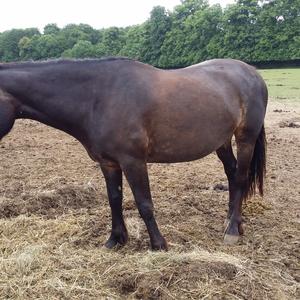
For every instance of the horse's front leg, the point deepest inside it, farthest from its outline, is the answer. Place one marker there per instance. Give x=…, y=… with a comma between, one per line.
x=137, y=176
x=228, y=159
x=113, y=177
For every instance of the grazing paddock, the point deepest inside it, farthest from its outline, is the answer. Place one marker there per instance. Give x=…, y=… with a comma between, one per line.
x=283, y=84
x=55, y=217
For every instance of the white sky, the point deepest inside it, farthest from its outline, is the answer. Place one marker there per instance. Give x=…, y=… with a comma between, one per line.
x=97, y=13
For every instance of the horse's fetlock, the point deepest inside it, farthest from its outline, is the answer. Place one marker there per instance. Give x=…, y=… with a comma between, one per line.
x=120, y=230
x=119, y=235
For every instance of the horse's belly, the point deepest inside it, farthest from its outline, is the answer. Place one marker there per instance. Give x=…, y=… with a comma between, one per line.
x=171, y=157
x=180, y=149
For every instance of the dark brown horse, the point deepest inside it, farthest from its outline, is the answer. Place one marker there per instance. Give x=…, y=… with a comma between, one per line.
x=126, y=114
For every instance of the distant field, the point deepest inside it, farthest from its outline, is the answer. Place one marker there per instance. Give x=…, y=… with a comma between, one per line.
x=283, y=83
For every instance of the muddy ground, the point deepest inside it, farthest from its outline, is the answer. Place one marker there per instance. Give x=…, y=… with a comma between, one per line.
x=54, y=219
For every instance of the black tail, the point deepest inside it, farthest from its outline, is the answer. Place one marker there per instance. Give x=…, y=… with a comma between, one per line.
x=257, y=170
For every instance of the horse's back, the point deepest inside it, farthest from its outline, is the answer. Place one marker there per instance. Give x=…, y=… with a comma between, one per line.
x=231, y=76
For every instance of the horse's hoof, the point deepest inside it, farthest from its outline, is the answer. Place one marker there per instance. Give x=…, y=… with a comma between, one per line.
x=114, y=241
x=230, y=239
x=160, y=246
x=110, y=243
x=240, y=227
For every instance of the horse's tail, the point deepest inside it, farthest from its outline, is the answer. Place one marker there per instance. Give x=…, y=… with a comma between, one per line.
x=257, y=170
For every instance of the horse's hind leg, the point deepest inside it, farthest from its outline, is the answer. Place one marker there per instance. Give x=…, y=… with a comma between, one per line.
x=240, y=189
x=136, y=173
x=228, y=159
x=113, y=177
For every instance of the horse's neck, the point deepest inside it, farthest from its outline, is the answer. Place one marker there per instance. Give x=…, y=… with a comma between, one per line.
x=39, y=102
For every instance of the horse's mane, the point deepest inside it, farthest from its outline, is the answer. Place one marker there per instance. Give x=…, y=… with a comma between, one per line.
x=50, y=62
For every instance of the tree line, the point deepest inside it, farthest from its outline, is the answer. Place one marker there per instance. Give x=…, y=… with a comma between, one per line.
x=250, y=30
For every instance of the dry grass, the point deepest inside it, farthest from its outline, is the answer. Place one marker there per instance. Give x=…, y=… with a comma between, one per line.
x=57, y=259
x=42, y=259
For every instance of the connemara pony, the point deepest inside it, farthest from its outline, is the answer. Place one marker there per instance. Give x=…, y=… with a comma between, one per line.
x=127, y=114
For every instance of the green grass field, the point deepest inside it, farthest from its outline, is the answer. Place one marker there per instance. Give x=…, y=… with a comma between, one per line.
x=283, y=83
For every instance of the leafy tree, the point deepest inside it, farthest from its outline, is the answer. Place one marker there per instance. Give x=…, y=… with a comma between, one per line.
x=9, y=41
x=182, y=45
x=155, y=32
x=101, y=50
x=92, y=35
x=51, y=29
x=73, y=33
x=113, y=40
x=134, y=40
x=48, y=46
x=201, y=28
x=40, y=47
x=82, y=49
x=188, y=8
x=24, y=46
x=173, y=48
x=280, y=23
x=251, y=30
x=241, y=32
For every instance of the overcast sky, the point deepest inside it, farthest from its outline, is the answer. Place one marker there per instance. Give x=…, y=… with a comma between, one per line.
x=97, y=13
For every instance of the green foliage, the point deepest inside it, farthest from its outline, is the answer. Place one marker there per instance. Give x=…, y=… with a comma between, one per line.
x=113, y=41
x=250, y=30
x=71, y=34
x=9, y=41
x=195, y=35
x=134, y=41
x=40, y=47
x=155, y=30
x=51, y=29
x=82, y=49
x=188, y=8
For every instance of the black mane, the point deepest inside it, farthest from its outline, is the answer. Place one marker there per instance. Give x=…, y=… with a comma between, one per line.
x=50, y=62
